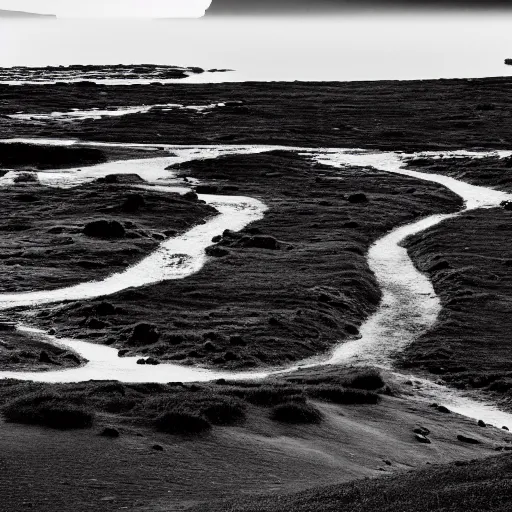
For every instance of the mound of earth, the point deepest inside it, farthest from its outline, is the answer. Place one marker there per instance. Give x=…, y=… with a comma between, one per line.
x=53, y=237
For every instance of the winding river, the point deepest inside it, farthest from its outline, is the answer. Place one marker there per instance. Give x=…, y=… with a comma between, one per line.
x=408, y=308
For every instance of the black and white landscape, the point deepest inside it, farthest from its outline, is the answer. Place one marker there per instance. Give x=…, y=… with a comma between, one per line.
x=223, y=294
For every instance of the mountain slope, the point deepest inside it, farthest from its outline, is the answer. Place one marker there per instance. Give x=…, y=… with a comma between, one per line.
x=237, y=7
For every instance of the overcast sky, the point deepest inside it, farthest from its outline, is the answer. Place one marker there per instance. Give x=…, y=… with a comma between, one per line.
x=109, y=8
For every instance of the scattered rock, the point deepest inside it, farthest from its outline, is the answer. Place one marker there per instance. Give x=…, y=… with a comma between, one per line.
x=104, y=229
x=94, y=323
x=144, y=334
x=422, y=439
x=110, y=432
x=123, y=352
x=358, y=198
x=133, y=203
x=468, y=440
x=216, y=252
x=152, y=361
x=422, y=431
x=141, y=361
x=191, y=196
x=482, y=423
x=45, y=358
x=157, y=447
x=505, y=428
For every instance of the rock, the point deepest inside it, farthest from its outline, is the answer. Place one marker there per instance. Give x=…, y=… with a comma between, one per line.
x=468, y=440
x=237, y=341
x=121, y=178
x=104, y=229
x=122, y=352
x=94, y=323
x=505, y=428
x=52, y=332
x=191, y=196
x=352, y=329
x=216, y=252
x=157, y=447
x=482, y=423
x=508, y=62
x=443, y=409
x=152, y=361
x=422, y=431
x=144, y=334
x=422, y=439
x=45, y=358
x=216, y=239
x=104, y=309
x=358, y=198
x=110, y=432
x=506, y=205
x=210, y=347
x=230, y=356
x=133, y=203
x=234, y=103
x=141, y=361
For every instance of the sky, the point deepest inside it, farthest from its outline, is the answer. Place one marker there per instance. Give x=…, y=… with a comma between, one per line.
x=110, y=8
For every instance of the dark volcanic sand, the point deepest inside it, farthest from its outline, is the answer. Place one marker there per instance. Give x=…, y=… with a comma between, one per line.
x=266, y=306
x=429, y=114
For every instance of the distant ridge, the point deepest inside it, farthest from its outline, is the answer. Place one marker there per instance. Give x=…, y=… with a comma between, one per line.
x=23, y=15
x=290, y=7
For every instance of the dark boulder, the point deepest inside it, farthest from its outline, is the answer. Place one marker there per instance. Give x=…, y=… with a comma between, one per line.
x=216, y=252
x=133, y=203
x=358, y=198
x=94, y=323
x=468, y=440
x=45, y=358
x=191, y=196
x=152, y=361
x=443, y=409
x=482, y=423
x=144, y=334
x=123, y=352
x=422, y=431
x=110, y=432
x=422, y=439
x=121, y=178
x=104, y=229
x=141, y=361
x=157, y=448
x=506, y=205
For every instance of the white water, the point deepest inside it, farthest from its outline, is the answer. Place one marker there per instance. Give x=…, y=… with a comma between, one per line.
x=409, y=306
x=96, y=113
